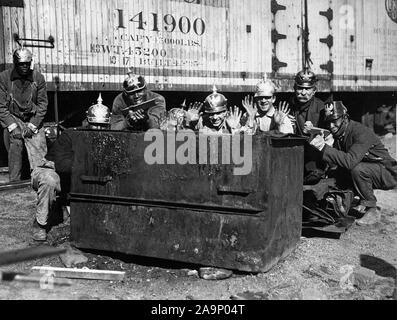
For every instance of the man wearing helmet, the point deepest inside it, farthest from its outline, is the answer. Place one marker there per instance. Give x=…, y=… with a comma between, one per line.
x=215, y=118
x=360, y=153
x=137, y=108
x=308, y=112
x=52, y=176
x=23, y=105
x=262, y=115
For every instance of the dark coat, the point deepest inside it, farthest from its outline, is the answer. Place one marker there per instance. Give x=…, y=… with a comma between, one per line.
x=61, y=152
x=311, y=111
x=25, y=98
x=152, y=121
x=359, y=144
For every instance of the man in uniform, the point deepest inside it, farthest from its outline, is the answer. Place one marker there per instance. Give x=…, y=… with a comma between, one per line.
x=308, y=111
x=52, y=176
x=137, y=108
x=262, y=115
x=360, y=153
x=23, y=105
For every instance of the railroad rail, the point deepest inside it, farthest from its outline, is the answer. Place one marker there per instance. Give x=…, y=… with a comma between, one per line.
x=4, y=186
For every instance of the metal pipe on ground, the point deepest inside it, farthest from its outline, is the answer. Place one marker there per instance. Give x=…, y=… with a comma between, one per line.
x=20, y=255
x=14, y=185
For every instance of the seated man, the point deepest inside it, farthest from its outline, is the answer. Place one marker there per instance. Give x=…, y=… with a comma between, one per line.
x=262, y=115
x=360, y=152
x=53, y=175
x=137, y=108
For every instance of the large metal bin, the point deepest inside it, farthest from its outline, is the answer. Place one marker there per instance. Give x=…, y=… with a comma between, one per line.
x=196, y=213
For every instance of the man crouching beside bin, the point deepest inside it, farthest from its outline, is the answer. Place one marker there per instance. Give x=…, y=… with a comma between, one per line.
x=360, y=153
x=52, y=176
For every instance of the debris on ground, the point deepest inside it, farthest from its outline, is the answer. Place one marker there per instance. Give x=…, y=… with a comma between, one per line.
x=72, y=256
x=191, y=273
x=215, y=273
x=248, y=295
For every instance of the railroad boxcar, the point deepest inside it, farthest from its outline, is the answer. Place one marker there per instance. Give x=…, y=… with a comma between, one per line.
x=188, y=45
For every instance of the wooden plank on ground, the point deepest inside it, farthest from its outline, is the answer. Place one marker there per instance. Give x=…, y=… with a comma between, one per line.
x=89, y=274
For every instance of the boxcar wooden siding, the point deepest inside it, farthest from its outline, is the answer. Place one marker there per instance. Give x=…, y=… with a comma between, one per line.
x=191, y=44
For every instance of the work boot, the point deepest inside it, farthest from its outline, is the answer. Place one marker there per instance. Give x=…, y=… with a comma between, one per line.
x=371, y=216
x=39, y=232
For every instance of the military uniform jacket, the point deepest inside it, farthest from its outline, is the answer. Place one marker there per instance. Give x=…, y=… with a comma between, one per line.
x=359, y=144
x=312, y=111
x=152, y=120
x=25, y=98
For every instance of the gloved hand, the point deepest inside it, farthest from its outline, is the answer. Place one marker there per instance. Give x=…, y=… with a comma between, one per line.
x=307, y=127
x=27, y=132
x=135, y=116
x=16, y=133
x=318, y=142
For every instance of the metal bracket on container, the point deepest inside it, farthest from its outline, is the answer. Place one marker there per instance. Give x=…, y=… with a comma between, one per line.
x=329, y=14
x=277, y=36
x=50, y=40
x=277, y=64
x=329, y=66
x=276, y=7
x=233, y=190
x=329, y=41
x=95, y=179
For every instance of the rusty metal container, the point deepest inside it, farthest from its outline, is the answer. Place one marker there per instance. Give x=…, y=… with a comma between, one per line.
x=196, y=213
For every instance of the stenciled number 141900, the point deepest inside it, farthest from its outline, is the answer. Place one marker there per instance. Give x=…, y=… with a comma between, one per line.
x=169, y=23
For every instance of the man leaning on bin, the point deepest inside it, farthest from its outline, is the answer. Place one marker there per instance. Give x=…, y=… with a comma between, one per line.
x=137, y=108
x=358, y=154
x=23, y=105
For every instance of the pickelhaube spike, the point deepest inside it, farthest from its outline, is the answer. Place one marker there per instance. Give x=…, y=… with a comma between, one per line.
x=100, y=100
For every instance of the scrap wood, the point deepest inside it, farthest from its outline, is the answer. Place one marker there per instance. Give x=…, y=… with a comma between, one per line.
x=85, y=273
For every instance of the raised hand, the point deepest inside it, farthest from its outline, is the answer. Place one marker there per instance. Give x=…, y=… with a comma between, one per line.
x=193, y=112
x=281, y=112
x=249, y=106
x=233, y=120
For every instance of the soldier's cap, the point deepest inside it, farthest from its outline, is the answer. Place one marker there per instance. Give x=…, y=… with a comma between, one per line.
x=22, y=55
x=335, y=110
x=98, y=113
x=215, y=102
x=305, y=79
x=133, y=83
x=264, y=88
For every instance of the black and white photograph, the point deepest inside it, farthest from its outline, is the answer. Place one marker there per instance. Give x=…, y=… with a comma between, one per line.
x=198, y=155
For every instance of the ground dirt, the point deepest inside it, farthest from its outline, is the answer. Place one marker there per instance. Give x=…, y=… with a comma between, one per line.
x=315, y=270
